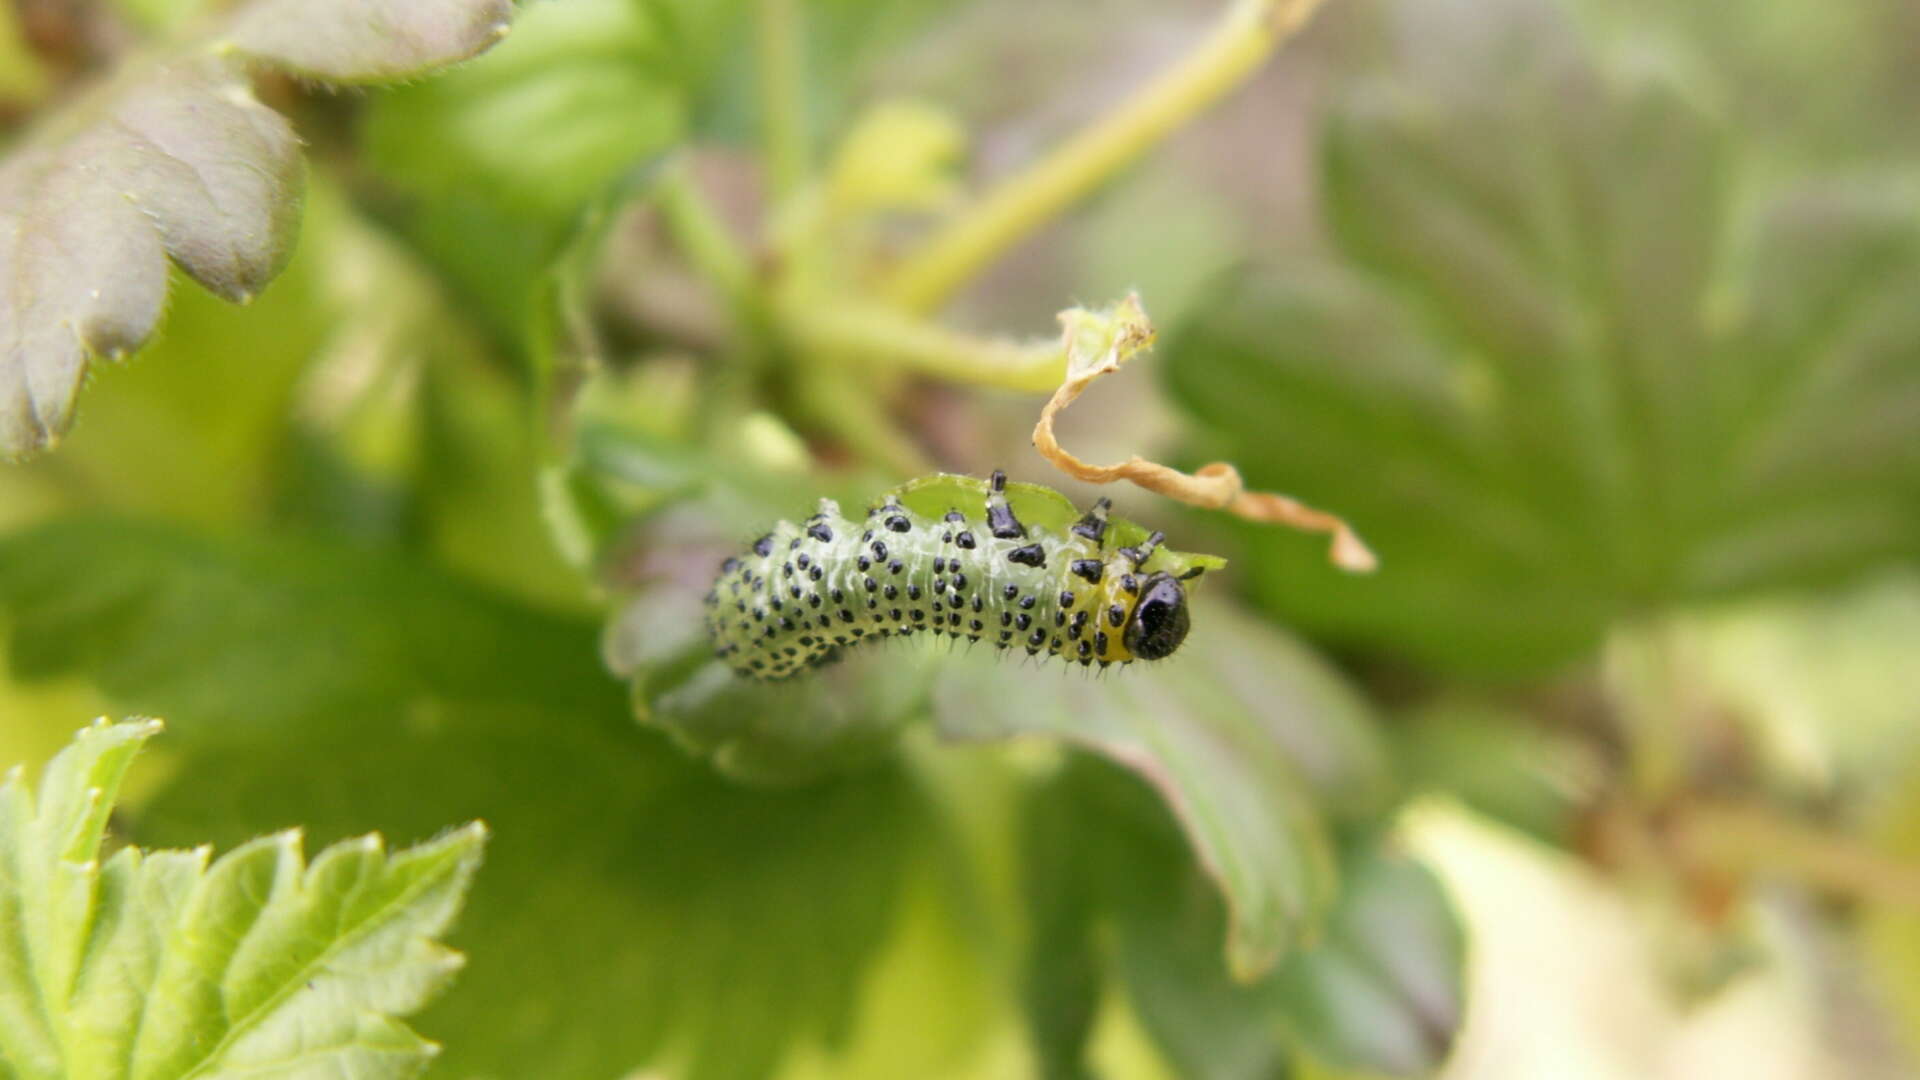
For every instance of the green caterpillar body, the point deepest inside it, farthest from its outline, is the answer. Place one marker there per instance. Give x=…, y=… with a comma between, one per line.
x=954, y=556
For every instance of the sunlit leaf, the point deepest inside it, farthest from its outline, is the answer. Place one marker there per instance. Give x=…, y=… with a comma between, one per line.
x=160, y=964
x=397, y=698
x=174, y=158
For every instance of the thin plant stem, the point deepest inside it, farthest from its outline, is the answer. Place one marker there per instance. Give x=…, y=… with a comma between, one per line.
x=897, y=339
x=710, y=248
x=1245, y=37
x=781, y=46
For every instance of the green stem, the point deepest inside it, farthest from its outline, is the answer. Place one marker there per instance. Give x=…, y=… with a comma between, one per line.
x=704, y=239
x=1250, y=32
x=900, y=340
x=841, y=401
x=781, y=42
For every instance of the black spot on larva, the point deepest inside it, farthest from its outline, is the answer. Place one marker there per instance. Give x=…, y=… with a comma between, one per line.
x=872, y=603
x=976, y=625
x=763, y=547
x=892, y=592
x=1022, y=621
x=964, y=539
x=740, y=606
x=918, y=614
x=813, y=599
x=939, y=585
x=1116, y=615
x=1026, y=602
x=938, y=607
x=977, y=605
x=1006, y=618
x=795, y=590
x=954, y=516
x=1001, y=522
x=786, y=623
x=899, y=523
x=1094, y=525
x=1100, y=642
x=793, y=543
x=1059, y=618
x=870, y=584
x=802, y=561
x=1130, y=583
x=895, y=566
x=729, y=565
x=1010, y=592
x=940, y=565
x=1066, y=598
x=1039, y=637
x=759, y=615
x=786, y=569
x=819, y=531
x=1086, y=650
x=816, y=573
x=837, y=596
x=879, y=551
x=959, y=582
x=953, y=619
x=791, y=651
x=1086, y=568
x=865, y=564
x=895, y=614
x=1031, y=555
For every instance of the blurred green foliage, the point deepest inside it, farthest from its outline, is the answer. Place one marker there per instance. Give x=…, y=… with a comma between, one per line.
x=1618, y=374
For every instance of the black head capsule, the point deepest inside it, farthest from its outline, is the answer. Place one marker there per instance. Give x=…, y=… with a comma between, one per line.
x=1160, y=620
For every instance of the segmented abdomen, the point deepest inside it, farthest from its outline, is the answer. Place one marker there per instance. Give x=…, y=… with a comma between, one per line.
x=802, y=593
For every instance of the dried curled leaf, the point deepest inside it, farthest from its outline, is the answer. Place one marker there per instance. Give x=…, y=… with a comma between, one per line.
x=1097, y=343
x=174, y=158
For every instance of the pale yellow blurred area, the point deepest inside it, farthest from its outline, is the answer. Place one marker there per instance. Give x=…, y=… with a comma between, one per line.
x=1565, y=979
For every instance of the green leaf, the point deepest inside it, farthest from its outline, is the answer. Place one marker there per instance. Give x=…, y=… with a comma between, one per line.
x=1552, y=364
x=639, y=908
x=1245, y=736
x=1384, y=989
x=541, y=124
x=1377, y=988
x=351, y=41
x=250, y=639
x=157, y=964
x=721, y=928
x=173, y=157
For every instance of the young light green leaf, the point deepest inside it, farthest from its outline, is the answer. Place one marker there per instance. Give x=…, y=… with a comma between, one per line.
x=174, y=157
x=160, y=965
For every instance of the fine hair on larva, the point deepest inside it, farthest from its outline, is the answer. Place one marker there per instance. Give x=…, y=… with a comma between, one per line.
x=802, y=593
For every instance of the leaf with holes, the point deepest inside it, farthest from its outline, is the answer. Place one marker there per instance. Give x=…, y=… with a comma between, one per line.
x=256, y=964
x=172, y=157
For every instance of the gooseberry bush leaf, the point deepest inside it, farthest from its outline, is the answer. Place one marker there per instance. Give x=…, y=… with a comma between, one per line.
x=1253, y=744
x=168, y=964
x=173, y=157
x=1554, y=360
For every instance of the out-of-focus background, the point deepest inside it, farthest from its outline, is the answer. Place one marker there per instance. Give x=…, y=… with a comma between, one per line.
x=1599, y=320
